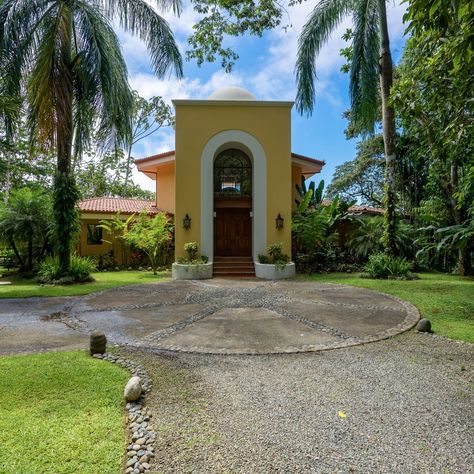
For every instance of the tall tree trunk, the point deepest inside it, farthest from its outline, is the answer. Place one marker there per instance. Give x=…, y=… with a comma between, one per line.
x=30, y=253
x=389, y=134
x=8, y=177
x=17, y=254
x=128, y=170
x=65, y=194
x=464, y=254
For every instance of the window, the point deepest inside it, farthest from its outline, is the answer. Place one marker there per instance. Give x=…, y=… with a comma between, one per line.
x=232, y=174
x=94, y=234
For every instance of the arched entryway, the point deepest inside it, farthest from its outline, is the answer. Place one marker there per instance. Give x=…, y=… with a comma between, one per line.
x=232, y=204
x=243, y=141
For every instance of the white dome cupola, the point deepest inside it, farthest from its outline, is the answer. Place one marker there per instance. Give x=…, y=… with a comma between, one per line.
x=232, y=93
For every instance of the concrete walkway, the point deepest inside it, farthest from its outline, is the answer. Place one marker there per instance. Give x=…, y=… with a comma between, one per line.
x=215, y=317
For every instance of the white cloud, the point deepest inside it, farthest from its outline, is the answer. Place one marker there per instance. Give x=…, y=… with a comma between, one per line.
x=149, y=85
x=271, y=76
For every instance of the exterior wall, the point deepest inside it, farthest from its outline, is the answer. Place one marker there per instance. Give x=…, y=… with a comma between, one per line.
x=268, y=123
x=296, y=173
x=87, y=250
x=165, y=188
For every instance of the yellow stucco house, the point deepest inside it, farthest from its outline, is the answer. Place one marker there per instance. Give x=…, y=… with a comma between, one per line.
x=230, y=182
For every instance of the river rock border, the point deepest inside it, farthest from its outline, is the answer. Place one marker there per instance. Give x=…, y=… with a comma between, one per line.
x=142, y=437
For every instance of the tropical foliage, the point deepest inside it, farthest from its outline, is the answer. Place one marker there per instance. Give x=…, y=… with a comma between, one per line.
x=80, y=272
x=316, y=229
x=25, y=225
x=152, y=235
x=433, y=97
x=192, y=255
x=381, y=265
x=67, y=57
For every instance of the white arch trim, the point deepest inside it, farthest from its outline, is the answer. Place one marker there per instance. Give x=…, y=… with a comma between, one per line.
x=259, y=189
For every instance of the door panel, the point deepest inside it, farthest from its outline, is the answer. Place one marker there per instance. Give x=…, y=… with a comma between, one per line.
x=232, y=232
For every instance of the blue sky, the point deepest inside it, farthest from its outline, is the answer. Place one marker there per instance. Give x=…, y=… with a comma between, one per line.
x=265, y=68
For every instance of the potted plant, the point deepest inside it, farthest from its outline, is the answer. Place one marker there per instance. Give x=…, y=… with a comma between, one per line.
x=193, y=266
x=275, y=265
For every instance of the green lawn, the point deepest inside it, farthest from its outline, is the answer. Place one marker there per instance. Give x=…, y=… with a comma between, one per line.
x=446, y=300
x=23, y=288
x=61, y=413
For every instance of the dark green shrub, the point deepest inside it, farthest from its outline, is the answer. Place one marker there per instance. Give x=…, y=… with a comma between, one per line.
x=79, y=272
x=275, y=256
x=192, y=255
x=275, y=251
x=191, y=249
x=383, y=266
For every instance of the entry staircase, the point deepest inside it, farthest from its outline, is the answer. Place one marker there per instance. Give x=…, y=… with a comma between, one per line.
x=233, y=267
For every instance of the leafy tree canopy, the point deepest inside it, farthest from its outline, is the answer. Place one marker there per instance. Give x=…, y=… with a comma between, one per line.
x=363, y=177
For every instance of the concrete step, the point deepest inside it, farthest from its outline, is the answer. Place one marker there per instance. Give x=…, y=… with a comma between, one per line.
x=233, y=265
x=233, y=259
x=235, y=274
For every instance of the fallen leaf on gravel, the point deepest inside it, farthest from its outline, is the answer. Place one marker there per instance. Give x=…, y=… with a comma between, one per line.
x=342, y=414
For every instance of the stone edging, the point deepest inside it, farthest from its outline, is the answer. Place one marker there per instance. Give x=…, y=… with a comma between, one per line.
x=141, y=448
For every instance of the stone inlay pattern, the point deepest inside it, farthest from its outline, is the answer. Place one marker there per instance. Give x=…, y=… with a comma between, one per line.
x=141, y=449
x=353, y=315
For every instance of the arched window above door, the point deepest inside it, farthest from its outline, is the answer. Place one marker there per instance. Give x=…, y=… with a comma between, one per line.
x=232, y=174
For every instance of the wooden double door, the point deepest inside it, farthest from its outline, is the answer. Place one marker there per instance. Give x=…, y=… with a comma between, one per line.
x=232, y=232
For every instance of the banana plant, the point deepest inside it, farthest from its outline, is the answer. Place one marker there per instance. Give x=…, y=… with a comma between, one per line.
x=316, y=197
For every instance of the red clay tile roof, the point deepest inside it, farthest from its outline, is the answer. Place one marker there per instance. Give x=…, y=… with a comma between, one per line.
x=155, y=157
x=115, y=204
x=366, y=210
x=172, y=152
x=358, y=209
x=308, y=159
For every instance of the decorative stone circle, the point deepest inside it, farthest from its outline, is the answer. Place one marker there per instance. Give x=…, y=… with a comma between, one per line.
x=290, y=316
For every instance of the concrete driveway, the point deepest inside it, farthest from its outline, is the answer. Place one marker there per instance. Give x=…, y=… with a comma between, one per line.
x=214, y=316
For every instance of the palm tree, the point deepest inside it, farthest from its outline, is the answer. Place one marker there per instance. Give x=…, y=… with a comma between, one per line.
x=65, y=56
x=25, y=222
x=371, y=63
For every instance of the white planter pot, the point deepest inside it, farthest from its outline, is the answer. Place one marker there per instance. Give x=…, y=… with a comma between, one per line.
x=274, y=272
x=191, y=272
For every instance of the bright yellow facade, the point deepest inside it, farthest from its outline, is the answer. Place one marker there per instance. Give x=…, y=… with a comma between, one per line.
x=232, y=120
x=269, y=124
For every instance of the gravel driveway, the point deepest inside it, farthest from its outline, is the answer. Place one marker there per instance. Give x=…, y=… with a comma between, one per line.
x=404, y=405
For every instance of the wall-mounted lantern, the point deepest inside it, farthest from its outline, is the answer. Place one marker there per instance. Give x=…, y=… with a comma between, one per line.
x=187, y=222
x=279, y=222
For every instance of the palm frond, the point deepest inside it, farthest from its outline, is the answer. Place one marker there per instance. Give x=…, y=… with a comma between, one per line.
x=325, y=17
x=364, y=74
x=43, y=87
x=101, y=80
x=20, y=32
x=141, y=19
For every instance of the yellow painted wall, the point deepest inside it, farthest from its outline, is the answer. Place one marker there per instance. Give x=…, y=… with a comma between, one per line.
x=270, y=125
x=295, y=179
x=165, y=187
x=87, y=250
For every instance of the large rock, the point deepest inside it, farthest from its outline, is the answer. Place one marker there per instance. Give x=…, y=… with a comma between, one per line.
x=424, y=325
x=133, y=389
x=98, y=342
